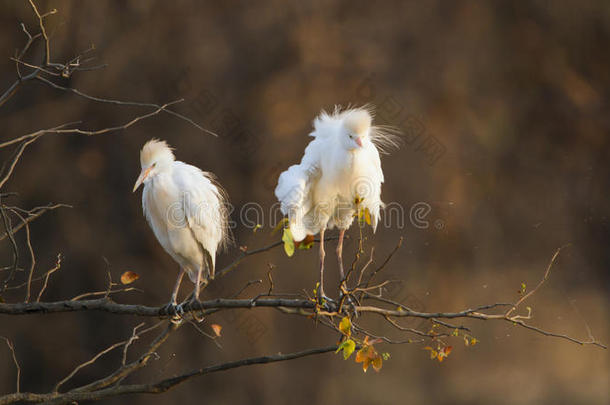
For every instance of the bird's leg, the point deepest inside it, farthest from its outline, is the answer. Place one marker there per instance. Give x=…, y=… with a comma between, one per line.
x=197, y=285
x=195, y=297
x=340, y=254
x=350, y=301
x=171, y=307
x=322, y=254
x=177, y=286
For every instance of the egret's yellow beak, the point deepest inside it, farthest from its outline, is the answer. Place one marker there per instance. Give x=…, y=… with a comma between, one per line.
x=141, y=178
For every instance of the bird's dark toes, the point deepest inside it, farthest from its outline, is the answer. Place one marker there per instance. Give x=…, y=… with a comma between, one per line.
x=172, y=309
x=195, y=303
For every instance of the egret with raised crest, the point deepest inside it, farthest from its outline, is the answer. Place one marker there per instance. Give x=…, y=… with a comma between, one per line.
x=186, y=209
x=339, y=177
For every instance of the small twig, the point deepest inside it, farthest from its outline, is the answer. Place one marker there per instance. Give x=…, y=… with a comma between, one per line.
x=450, y=326
x=47, y=52
x=125, y=103
x=16, y=158
x=88, y=362
x=47, y=275
x=12, y=349
x=7, y=226
x=32, y=256
x=203, y=333
x=33, y=214
x=248, y=284
x=544, y=278
x=133, y=338
x=407, y=329
x=39, y=68
x=385, y=262
x=247, y=253
x=366, y=265
x=105, y=293
x=109, y=275
x=270, y=279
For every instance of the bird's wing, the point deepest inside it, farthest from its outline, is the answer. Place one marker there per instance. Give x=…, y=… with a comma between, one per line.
x=152, y=212
x=294, y=189
x=374, y=176
x=204, y=207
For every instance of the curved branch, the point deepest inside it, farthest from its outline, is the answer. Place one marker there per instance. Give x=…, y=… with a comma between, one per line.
x=160, y=386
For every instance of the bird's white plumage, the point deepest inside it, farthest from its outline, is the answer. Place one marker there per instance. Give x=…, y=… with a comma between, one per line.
x=340, y=166
x=185, y=209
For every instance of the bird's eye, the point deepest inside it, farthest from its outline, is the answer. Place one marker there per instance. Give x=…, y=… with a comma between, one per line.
x=154, y=164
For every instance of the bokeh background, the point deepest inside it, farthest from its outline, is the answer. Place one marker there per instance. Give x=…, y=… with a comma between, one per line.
x=504, y=110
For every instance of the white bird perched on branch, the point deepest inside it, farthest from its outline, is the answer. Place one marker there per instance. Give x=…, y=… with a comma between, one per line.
x=339, y=176
x=186, y=210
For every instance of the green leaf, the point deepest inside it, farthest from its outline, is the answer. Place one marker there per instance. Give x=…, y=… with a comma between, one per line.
x=367, y=216
x=288, y=242
x=385, y=355
x=345, y=326
x=348, y=346
x=280, y=225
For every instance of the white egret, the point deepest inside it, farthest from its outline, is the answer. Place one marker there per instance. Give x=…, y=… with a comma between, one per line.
x=185, y=208
x=339, y=175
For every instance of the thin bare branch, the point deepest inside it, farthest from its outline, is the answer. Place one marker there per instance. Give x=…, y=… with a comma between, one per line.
x=47, y=52
x=47, y=275
x=32, y=256
x=18, y=154
x=7, y=226
x=544, y=278
x=123, y=103
x=33, y=214
x=12, y=349
x=246, y=253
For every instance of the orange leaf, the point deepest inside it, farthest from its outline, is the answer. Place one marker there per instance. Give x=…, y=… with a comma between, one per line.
x=129, y=277
x=365, y=364
x=377, y=363
x=306, y=243
x=443, y=353
x=216, y=328
x=363, y=354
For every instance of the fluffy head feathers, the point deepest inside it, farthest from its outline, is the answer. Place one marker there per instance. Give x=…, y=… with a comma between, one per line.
x=154, y=151
x=357, y=121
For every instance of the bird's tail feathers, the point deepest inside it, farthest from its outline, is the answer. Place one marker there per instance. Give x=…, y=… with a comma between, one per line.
x=227, y=238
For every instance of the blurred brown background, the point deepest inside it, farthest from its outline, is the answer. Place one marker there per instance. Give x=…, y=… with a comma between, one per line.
x=512, y=96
